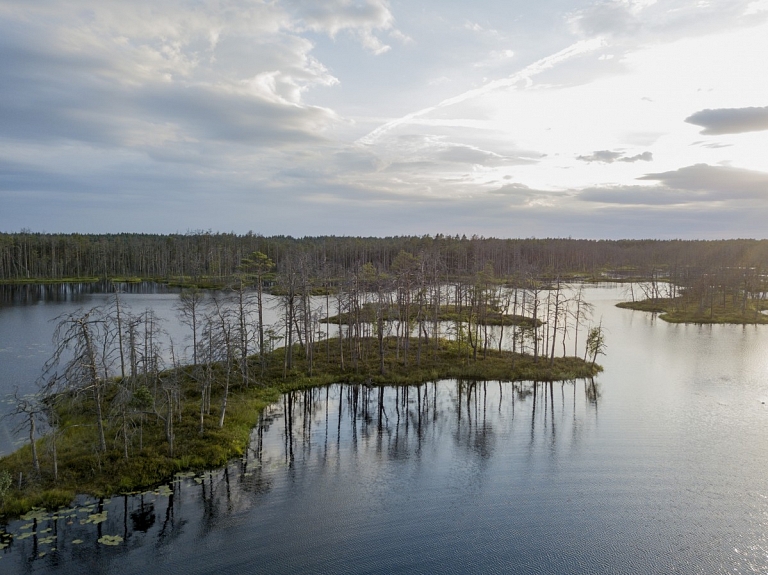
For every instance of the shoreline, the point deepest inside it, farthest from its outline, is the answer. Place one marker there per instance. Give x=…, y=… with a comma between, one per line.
x=679, y=310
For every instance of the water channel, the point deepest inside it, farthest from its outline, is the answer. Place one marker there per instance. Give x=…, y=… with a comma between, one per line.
x=657, y=466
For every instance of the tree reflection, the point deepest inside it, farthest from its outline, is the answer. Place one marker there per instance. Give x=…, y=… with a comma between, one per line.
x=336, y=429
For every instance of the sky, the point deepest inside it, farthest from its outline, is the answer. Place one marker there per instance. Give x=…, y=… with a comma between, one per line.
x=507, y=118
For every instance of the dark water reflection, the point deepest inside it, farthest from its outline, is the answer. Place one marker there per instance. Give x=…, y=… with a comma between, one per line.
x=331, y=475
x=35, y=293
x=659, y=466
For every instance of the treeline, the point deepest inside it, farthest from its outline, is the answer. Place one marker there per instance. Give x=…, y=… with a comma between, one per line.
x=213, y=256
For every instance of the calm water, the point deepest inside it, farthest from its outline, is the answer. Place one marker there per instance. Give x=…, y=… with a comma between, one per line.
x=659, y=466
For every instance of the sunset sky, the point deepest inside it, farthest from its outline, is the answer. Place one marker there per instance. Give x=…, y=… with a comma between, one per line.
x=606, y=119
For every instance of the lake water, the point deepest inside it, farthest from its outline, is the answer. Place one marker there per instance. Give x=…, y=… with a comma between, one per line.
x=658, y=466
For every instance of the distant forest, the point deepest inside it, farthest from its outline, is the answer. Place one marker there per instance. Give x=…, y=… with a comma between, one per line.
x=218, y=257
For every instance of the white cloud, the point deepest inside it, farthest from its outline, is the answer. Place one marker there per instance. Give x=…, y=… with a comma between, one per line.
x=362, y=18
x=730, y=120
x=260, y=103
x=608, y=157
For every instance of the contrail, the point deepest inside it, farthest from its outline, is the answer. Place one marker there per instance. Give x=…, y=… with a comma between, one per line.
x=531, y=70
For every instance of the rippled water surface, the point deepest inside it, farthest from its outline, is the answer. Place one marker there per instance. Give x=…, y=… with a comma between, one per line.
x=658, y=466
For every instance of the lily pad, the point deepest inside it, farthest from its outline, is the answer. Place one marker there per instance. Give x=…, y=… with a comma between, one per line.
x=35, y=513
x=97, y=518
x=164, y=491
x=110, y=540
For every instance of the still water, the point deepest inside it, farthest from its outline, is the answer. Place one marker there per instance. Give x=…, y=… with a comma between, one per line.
x=658, y=466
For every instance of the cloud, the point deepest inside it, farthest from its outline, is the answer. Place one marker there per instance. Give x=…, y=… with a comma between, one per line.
x=692, y=184
x=730, y=120
x=645, y=21
x=146, y=76
x=541, y=65
x=723, y=181
x=521, y=195
x=640, y=195
x=607, y=18
x=608, y=157
x=361, y=18
x=469, y=155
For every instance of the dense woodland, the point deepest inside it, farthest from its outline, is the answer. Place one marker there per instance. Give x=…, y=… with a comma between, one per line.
x=205, y=255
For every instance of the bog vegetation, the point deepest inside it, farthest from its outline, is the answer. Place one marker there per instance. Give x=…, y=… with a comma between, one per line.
x=117, y=409
x=121, y=411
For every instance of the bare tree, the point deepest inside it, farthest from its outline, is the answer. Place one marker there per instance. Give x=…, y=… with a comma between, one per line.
x=31, y=411
x=258, y=266
x=188, y=309
x=88, y=336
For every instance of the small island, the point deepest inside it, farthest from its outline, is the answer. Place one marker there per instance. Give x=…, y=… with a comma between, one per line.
x=688, y=308
x=200, y=416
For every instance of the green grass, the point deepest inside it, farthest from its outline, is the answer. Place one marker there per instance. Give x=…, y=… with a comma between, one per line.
x=82, y=469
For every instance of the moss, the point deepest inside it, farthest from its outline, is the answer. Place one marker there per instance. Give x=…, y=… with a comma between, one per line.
x=83, y=470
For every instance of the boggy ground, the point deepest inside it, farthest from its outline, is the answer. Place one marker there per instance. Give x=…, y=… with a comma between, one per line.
x=82, y=468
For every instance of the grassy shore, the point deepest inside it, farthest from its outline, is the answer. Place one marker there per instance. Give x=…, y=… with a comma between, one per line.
x=83, y=469
x=682, y=310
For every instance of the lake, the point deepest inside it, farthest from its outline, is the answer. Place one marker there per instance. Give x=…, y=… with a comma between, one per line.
x=658, y=466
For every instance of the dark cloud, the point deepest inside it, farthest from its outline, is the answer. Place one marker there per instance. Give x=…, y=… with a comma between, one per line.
x=608, y=157
x=730, y=120
x=724, y=182
x=640, y=195
x=692, y=184
x=145, y=90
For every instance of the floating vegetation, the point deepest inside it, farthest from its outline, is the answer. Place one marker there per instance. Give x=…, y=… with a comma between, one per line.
x=164, y=491
x=77, y=541
x=24, y=535
x=97, y=518
x=35, y=513
x=110, y=540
